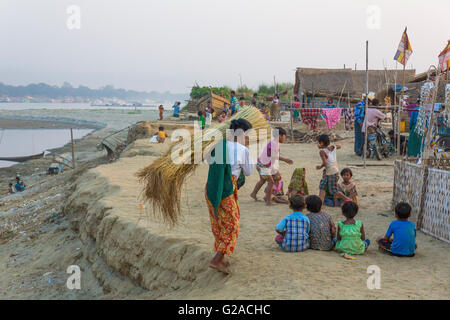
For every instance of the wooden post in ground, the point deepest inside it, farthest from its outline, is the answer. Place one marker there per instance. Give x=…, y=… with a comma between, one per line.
x=367, y=102
x=73, y=151
x=399, y=112
x=292, y=124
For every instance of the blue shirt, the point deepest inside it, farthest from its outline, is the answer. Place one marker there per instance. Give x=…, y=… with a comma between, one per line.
x=296, y=227
x=404, y=237
x=19, y=187
x=359, y=112
x=233, y=103
x=176, y=109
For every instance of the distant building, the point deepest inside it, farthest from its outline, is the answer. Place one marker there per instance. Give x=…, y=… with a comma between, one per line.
x=315, y=86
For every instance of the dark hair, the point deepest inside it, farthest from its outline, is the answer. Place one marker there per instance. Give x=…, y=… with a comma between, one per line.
x=403, y=210
x=17, y=178
x=240, y=124
x=161, y=128
x=375, y=102
x=313, y=203
x=297, y=202
x=296, y=99
x=349, y=209
x=242, y=98
x=324, y=139
x=10, y=184
x=200, y=113
x=391, y=132
x=232, y=92
x=278, y=97
x=255, y=94
x=281, y=131
x=346, y=170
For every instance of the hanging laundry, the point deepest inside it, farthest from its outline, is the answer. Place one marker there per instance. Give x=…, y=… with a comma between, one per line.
x=310, y=115
x=332, y=117
x=349, y=116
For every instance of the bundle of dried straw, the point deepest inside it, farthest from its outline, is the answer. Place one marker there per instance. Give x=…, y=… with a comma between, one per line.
x=163, y=179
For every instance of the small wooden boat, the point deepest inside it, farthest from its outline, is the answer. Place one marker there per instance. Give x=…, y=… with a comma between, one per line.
x=23, y=158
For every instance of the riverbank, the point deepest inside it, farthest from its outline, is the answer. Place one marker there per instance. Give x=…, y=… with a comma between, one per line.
x=90, y=217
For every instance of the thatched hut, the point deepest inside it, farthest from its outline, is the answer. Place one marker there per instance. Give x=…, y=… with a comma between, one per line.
x=315, y=86
x=412, y=89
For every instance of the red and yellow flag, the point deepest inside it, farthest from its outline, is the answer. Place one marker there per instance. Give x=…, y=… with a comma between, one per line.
x=404, y=50
x=444, y=58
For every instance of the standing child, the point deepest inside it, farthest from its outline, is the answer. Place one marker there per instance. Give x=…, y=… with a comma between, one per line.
x=322, y=226
x=404, y=232
x=329, y=162
x=267, y=164
x=11, y=189
x=161, y=111
x=293, y=230
x=351, y=238
x=201, y=120
x=346, y=188
x=298, y=184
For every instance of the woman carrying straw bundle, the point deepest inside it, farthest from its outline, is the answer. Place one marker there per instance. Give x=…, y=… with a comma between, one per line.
x=222, y=192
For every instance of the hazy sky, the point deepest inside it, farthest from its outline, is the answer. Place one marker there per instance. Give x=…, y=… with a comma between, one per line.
x=169, y=44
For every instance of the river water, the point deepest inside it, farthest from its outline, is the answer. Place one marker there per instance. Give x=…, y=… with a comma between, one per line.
x=24, y=142
x=85, y=106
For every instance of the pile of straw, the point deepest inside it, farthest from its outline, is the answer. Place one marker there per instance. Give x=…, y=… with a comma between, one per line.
x=164, y=179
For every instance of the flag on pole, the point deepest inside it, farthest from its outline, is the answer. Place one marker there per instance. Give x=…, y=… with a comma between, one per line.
x=404, y=50
x=444, y=57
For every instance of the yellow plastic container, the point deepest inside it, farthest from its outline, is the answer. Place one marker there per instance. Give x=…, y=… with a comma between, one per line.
x=402, y=126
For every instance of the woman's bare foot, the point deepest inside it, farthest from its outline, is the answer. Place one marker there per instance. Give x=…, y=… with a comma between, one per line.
x=253, y=196
x=220, y=266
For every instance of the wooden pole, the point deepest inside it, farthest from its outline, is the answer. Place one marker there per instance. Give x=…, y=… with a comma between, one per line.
x=400, y=107
x=292, y=124
x=73, y=151
x=367, y=102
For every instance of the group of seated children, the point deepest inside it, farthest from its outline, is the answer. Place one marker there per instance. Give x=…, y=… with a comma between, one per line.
x=18, y=187
x=299, y=232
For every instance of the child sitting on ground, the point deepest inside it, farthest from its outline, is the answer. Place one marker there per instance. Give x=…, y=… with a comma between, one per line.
x=293, y=230
x=277, y=193
x=298, y=183
x=321, y=224
x=329, y=162
x=161, y=135
x=223, y=116
x=347, y=189
x=11, y=189
x=351, y=238
x=404, y=232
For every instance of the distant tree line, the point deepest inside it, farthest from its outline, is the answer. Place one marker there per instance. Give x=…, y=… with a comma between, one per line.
x=67, y=90
x=264, y=90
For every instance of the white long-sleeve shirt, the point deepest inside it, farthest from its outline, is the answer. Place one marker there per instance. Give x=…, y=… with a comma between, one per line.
x=238, y=157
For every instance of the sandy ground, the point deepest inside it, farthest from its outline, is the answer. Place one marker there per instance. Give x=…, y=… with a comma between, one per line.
x=260, y=269
x=40, y=242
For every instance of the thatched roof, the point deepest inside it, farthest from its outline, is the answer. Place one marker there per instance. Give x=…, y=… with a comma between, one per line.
x=326, y=82
x=413, y=90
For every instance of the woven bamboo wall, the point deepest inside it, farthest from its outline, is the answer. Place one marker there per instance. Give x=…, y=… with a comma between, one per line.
x=408, y=185
x=435, y=218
